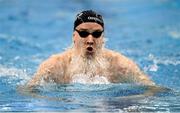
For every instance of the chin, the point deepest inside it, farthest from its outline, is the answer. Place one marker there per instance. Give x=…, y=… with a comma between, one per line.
x=89, y=54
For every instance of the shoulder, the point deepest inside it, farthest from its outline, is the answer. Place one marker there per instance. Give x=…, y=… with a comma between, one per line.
x=51, y=69
x=118, y=58
x=114, y=54
x=56, y=61
x=57, y=58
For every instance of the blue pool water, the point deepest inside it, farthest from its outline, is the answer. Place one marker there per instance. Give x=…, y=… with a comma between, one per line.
x=147, y=31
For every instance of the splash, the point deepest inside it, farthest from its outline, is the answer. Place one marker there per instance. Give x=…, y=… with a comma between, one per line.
x=162, y=60
x=13, y=74
x=88, y=79
x=175, y=34
x=153, y=68
x=89, y=70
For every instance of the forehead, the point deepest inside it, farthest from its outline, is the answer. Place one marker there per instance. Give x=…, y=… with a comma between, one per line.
x=90, y=26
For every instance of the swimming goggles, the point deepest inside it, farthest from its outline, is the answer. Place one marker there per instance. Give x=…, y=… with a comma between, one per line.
x=84, y=33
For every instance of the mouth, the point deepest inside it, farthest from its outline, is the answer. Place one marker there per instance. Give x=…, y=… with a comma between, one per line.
x=89, y=49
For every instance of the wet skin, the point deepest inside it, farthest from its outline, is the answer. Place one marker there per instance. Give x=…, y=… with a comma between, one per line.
x=88, y=57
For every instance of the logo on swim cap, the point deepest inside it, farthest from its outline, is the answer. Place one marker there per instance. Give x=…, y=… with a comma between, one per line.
x=94, y=18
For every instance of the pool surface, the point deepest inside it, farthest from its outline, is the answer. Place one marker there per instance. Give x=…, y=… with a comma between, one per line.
x=147, y=31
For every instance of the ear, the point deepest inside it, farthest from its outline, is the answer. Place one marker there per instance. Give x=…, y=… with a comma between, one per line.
x=103, y=41
x=103, y=38
x=73, y=38
x=73, y=34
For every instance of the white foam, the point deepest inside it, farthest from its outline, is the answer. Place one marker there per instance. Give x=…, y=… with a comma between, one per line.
x=162, y=60
x=88, y=79
x=5, y=107
x=153, y=68
x=14, y=74
x=175, y=34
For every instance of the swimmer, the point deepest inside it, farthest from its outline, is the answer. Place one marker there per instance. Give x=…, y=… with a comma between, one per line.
x=88, y=59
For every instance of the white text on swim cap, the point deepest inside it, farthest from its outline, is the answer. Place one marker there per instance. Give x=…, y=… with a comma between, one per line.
x=94, y=18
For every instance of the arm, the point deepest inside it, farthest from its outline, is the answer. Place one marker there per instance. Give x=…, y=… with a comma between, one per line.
x=131, y=72
x=138, y=76
x=135, y=75
x=49, y=70
x=142, y=79
x=42, y=73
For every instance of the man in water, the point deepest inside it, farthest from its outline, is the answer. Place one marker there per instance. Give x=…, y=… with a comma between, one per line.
x=88, y=61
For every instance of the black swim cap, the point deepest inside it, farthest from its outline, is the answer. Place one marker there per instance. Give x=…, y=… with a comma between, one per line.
x=88, y=16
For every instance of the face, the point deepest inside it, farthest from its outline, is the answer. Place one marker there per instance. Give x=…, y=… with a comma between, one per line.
x=88, y=38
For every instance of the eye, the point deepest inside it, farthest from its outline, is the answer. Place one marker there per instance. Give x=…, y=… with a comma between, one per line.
x=83, y=33
x=97, y=34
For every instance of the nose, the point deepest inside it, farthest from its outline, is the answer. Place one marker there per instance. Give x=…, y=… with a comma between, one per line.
x=90, y=40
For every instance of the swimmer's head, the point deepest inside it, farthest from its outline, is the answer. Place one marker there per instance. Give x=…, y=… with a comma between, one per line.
x=88, y=16
x=88, y=33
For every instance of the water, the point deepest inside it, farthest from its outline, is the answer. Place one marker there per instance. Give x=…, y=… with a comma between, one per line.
x=146, y=31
